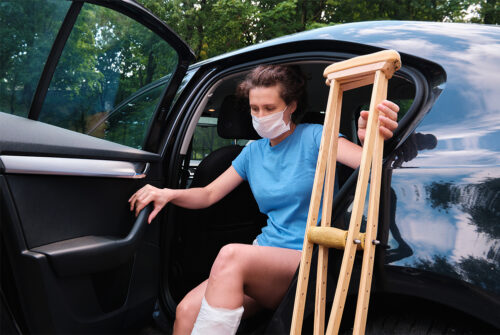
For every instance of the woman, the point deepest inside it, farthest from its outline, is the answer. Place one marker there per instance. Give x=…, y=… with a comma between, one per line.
x=280, y=169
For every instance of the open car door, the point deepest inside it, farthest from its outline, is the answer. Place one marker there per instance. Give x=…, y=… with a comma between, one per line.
x=74, y=258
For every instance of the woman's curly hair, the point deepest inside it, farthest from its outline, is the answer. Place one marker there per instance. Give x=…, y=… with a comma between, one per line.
x=289, y=78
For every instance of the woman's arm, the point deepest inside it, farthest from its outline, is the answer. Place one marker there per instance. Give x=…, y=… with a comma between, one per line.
x=193, y=198
x=349, y=153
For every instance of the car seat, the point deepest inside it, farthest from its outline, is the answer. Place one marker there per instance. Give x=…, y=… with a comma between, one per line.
x=234, y=219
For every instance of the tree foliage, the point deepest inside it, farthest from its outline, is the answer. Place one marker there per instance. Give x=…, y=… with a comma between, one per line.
x=212, y=27
x=24, y=49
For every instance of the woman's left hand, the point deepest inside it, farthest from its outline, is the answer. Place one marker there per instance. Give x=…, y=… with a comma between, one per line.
x=388, y=120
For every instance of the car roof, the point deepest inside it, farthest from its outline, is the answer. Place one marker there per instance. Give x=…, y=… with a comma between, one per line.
x=468, y=53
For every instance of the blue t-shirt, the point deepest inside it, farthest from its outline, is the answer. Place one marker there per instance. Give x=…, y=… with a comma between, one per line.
x=281, y=178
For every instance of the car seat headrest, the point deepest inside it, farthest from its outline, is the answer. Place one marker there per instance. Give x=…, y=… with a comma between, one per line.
x=234, y=120
x=312, y=117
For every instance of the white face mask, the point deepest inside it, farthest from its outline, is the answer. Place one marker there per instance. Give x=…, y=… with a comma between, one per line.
x=271, y=126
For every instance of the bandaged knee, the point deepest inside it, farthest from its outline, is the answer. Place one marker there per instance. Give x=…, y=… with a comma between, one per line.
x=217, y=321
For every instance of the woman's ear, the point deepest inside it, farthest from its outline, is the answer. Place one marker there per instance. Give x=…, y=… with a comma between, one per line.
x=293, y=106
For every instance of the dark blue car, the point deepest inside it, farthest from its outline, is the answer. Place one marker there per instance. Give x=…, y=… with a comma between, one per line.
x=98, y=98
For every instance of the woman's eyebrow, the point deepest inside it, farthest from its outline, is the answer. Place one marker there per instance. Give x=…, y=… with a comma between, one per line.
x=263, y=105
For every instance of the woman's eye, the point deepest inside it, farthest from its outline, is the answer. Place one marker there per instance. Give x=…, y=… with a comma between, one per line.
x=270, y=109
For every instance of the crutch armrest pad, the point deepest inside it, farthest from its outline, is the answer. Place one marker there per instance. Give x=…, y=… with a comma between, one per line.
x=391, y=57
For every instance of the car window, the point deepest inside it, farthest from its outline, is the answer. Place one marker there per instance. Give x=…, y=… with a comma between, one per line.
x=27, y=30
x=129, y=122
x=107, y=59
x=206, y=139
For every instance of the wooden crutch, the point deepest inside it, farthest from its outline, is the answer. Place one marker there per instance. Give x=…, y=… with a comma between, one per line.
x=374, y=69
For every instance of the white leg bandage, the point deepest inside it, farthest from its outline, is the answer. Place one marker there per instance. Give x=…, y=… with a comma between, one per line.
x=217, y=321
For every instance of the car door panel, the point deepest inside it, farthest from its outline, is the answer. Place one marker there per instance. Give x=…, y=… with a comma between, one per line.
x=55, y=200
x=77, y=248
x=80, y=259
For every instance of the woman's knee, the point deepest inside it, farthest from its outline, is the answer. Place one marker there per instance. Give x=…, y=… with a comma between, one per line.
x=187, y=311
x=228, y=260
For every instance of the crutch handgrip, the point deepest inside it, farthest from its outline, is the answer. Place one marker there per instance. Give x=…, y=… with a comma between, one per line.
x=332, y=237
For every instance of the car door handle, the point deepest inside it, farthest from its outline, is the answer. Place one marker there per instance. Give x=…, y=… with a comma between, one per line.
x=90, y=254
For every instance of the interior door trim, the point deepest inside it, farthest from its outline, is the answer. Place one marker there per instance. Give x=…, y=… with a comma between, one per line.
x=91, y=254
x=73, y=167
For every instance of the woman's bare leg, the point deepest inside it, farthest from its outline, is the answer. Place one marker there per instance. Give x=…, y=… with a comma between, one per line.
x=263, y=273
x=247, y=275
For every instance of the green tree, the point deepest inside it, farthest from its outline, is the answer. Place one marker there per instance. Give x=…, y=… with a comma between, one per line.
x=27, y=30
x=212, y=27
x=489, y=12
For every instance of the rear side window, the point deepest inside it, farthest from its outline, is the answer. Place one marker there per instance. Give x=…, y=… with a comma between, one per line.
x=28, y=29
x=128, y=122
x=206, y=139
x=109, y=59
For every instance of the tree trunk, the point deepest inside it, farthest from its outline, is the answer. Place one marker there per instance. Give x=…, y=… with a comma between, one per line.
x=304, y=15
x=13, y=94
x=150, y=68
x=199, y=28
x=489, y=13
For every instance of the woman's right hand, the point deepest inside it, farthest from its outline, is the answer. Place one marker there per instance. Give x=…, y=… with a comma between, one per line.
x=388, y=120
x=147, y=194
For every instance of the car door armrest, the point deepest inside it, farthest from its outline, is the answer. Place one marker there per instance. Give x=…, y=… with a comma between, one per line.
x=90, y=254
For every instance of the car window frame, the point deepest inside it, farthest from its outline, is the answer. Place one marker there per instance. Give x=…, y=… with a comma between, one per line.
x=210, y=74
x=53, y=59
x=408, y=72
